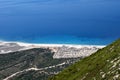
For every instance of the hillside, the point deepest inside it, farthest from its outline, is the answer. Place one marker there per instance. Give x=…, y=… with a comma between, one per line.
x=33, y=64
x=103, y=65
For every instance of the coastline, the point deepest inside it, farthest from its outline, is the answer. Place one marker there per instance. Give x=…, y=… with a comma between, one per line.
x=67, y=50
x=51, y=45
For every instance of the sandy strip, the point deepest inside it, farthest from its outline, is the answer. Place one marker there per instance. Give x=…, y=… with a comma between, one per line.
x=52, y=45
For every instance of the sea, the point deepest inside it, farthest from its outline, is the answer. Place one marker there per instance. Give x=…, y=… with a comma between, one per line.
x=92, y=22
x=63, y=39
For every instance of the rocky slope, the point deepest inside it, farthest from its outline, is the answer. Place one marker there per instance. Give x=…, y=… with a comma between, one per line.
x=103, y=65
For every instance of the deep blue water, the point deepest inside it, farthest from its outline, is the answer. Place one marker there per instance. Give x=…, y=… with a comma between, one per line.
x=60, y=21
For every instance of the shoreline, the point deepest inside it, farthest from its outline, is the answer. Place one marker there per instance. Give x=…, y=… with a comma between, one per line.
x=65, y=49
x=51, y=45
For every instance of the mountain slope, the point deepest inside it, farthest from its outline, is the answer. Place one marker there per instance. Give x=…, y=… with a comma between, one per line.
x=103, y=65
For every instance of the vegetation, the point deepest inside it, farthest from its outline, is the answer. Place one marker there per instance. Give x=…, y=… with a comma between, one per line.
x=33, y=58
x=103, y=65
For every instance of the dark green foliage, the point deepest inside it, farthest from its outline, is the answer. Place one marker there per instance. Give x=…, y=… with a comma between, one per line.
x=31, y=75
x=13, y=62
x=21, y=60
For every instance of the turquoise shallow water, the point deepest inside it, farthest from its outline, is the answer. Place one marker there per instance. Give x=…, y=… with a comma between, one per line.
x=64, y=39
